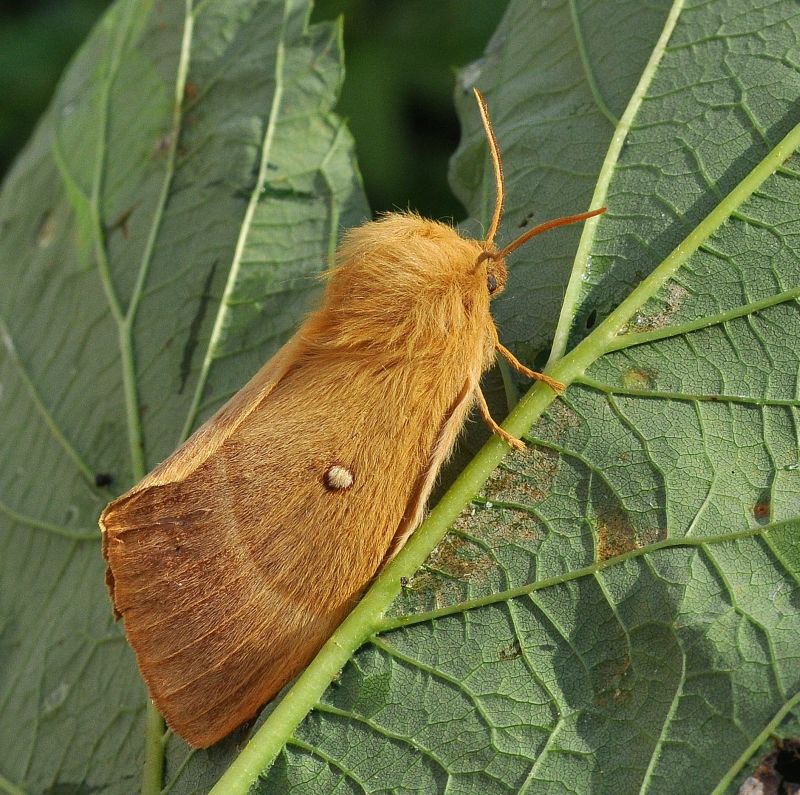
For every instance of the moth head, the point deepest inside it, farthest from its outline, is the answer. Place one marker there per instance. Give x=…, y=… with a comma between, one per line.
x=405, y=282
x=492, y=266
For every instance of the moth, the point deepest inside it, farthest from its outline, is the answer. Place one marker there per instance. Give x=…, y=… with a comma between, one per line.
x=235, y=559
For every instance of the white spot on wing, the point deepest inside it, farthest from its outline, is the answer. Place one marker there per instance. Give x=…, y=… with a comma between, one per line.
x=337, y=478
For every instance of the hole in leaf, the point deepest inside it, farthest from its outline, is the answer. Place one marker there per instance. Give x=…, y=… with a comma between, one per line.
x=788, y=762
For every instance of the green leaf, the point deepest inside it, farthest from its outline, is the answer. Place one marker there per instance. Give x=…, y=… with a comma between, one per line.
x=158, y=235
x=615, y=609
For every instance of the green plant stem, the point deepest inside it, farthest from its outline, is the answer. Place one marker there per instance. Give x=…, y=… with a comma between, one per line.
x=365, y=619
x=153, y=769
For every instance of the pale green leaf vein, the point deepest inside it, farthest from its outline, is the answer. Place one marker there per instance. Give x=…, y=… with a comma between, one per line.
x=50, y=527
x=169, y=170
x=559, y=708
x=135, y=440
x=609, y=389
x=388, y=624
x=42, y=409
x=666, y=724
x=710, y=462
x=708, y=554
x=44, y=627
x=645, y=447
x=10, y=789
x=313, y=750
x=591, y=79
x=247, y=221
x=627, y=339
x=511, y=505
x=385, y=732
x=746, y=756
x=179, y=771
x=531, y=778
x=436, y=673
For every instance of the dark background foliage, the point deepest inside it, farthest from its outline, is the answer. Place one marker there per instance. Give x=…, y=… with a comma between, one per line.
x=400, y=109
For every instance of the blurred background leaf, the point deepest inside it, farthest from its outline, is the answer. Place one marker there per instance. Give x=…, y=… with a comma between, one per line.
x=397, y=98
x=37, y=38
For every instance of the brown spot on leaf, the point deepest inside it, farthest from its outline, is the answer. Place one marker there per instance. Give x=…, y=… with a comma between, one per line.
x=638, y=378
x=615, y=533
x=675, y=295
x=121, y=221
x=457, y=557
x=761, y=510
x=510, y=484
x=520, y=527
x=423, y=584
x=510, y=651
x=562, y=417
x=651, y=535
x=162, y=145
x=492, y=523
x=528, y=476
x=612, y=682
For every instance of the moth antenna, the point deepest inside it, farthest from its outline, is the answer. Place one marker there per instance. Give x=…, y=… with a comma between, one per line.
x=551, y=224
x=498, y=167
x=500, y=195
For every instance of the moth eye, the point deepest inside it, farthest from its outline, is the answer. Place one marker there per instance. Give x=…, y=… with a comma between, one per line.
x=491, y=283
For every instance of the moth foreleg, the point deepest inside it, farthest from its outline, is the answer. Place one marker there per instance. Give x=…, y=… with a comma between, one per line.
x=556, y=386
x=517, y=444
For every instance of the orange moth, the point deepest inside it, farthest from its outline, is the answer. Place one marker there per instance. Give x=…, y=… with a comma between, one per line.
x=235, y=559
